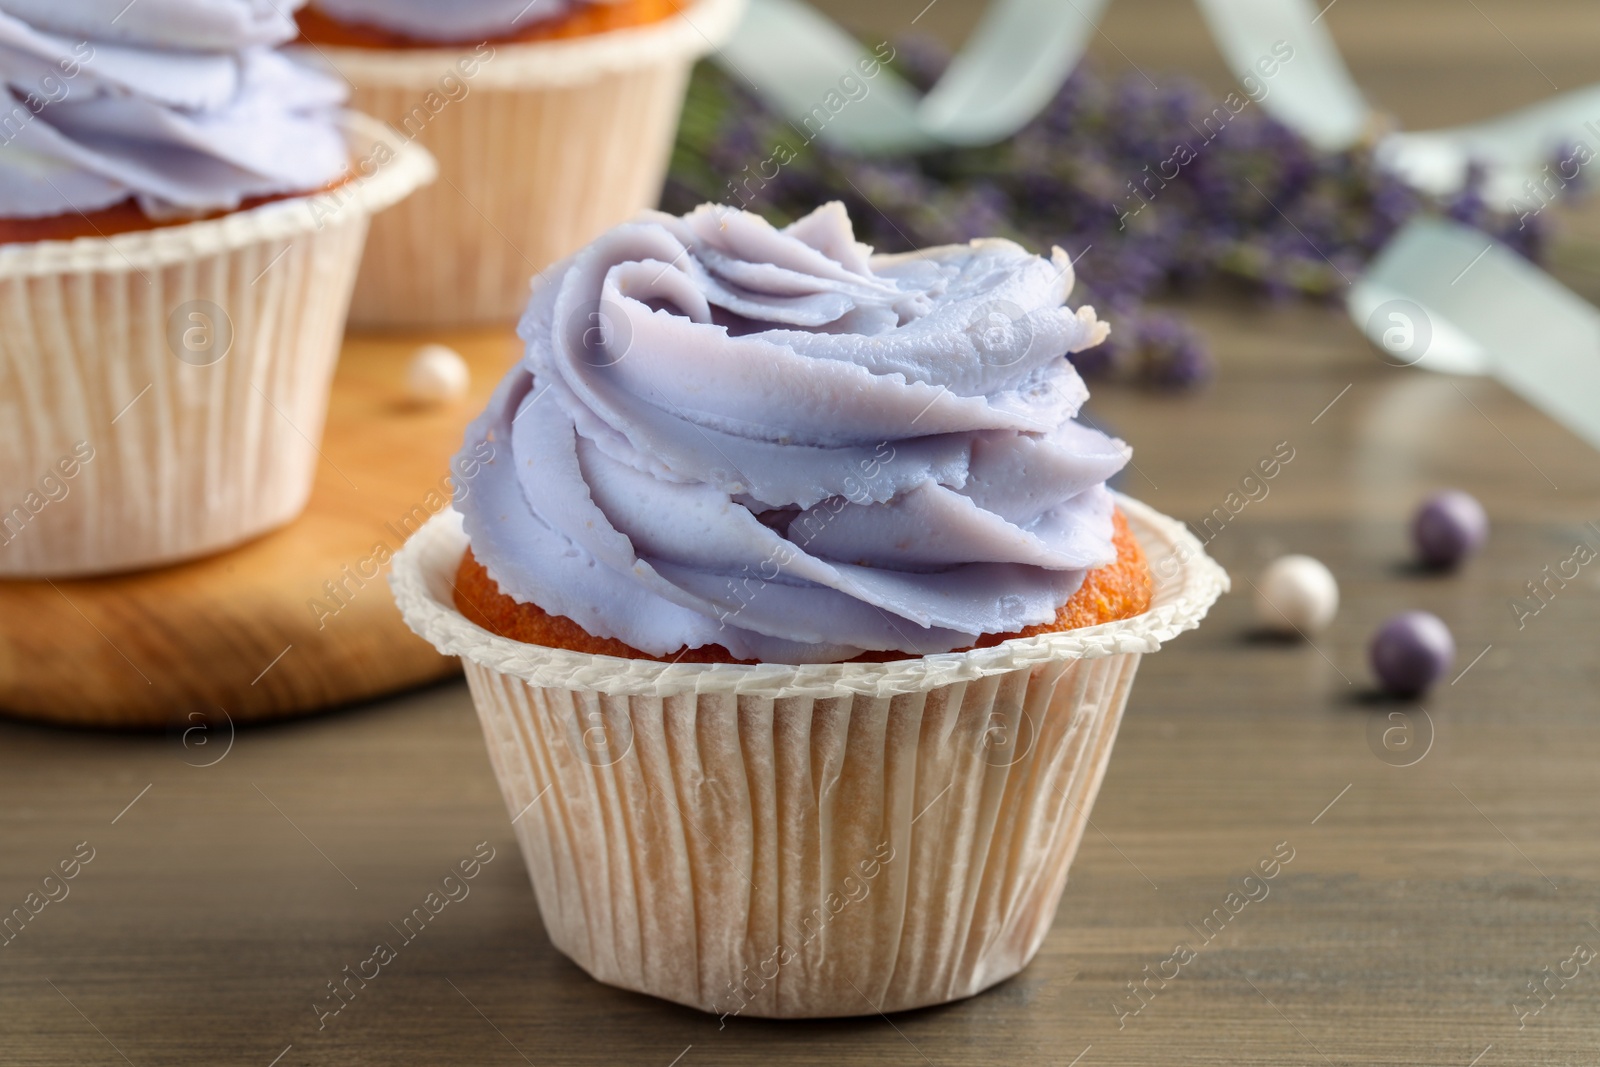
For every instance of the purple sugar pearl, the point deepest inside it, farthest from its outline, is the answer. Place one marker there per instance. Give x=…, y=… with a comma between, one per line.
x=1410, y=652
x=1449, y=527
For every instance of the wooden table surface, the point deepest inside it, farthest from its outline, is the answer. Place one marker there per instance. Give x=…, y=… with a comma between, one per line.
x=231, y=880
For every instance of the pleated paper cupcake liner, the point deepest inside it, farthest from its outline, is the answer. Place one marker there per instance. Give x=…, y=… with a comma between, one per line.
x=542, y=146
x=162, y=392
x=800, y=841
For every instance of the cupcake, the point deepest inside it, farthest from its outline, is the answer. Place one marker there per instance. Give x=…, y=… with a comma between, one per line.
x=182, y=210
x=796, y=610
x=552, y=121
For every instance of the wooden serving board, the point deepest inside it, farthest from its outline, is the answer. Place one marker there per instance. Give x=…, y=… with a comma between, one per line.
x=238, y=633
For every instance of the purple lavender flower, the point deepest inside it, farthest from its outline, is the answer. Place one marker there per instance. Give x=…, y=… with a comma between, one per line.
x=1468, y=206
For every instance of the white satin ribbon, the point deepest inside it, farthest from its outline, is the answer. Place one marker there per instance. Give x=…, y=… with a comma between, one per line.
x=1017, y=58
x=1316, y=96
x=1314, y=93
x=1448, y=298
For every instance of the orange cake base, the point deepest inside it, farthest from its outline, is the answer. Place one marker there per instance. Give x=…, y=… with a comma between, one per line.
x=582, y=21
x=124, y=217
x=1118, y=590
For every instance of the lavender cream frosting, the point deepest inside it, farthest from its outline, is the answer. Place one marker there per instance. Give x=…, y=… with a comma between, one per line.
x=457, y=20
x=183, y=105
x=776, y=441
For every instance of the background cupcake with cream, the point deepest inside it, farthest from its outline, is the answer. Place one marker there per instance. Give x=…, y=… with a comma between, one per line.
x=791, y=571
x=182, y=209
x=551, y=120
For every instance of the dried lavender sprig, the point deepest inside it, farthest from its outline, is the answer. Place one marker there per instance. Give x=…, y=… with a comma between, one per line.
x=1167, y=187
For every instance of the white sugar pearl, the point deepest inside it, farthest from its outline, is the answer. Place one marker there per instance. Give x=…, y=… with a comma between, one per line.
x=437, y=374
x=1296, y=593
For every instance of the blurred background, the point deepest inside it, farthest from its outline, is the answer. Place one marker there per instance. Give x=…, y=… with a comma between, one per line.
x=1431, y=63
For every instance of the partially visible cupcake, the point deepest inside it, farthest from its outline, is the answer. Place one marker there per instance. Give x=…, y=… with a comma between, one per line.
x=796, y=609
x=182, y=210
x=552, y=120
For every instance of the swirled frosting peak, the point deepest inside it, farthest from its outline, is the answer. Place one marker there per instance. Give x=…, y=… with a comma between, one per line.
x=776, y=441
x=182, y=105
